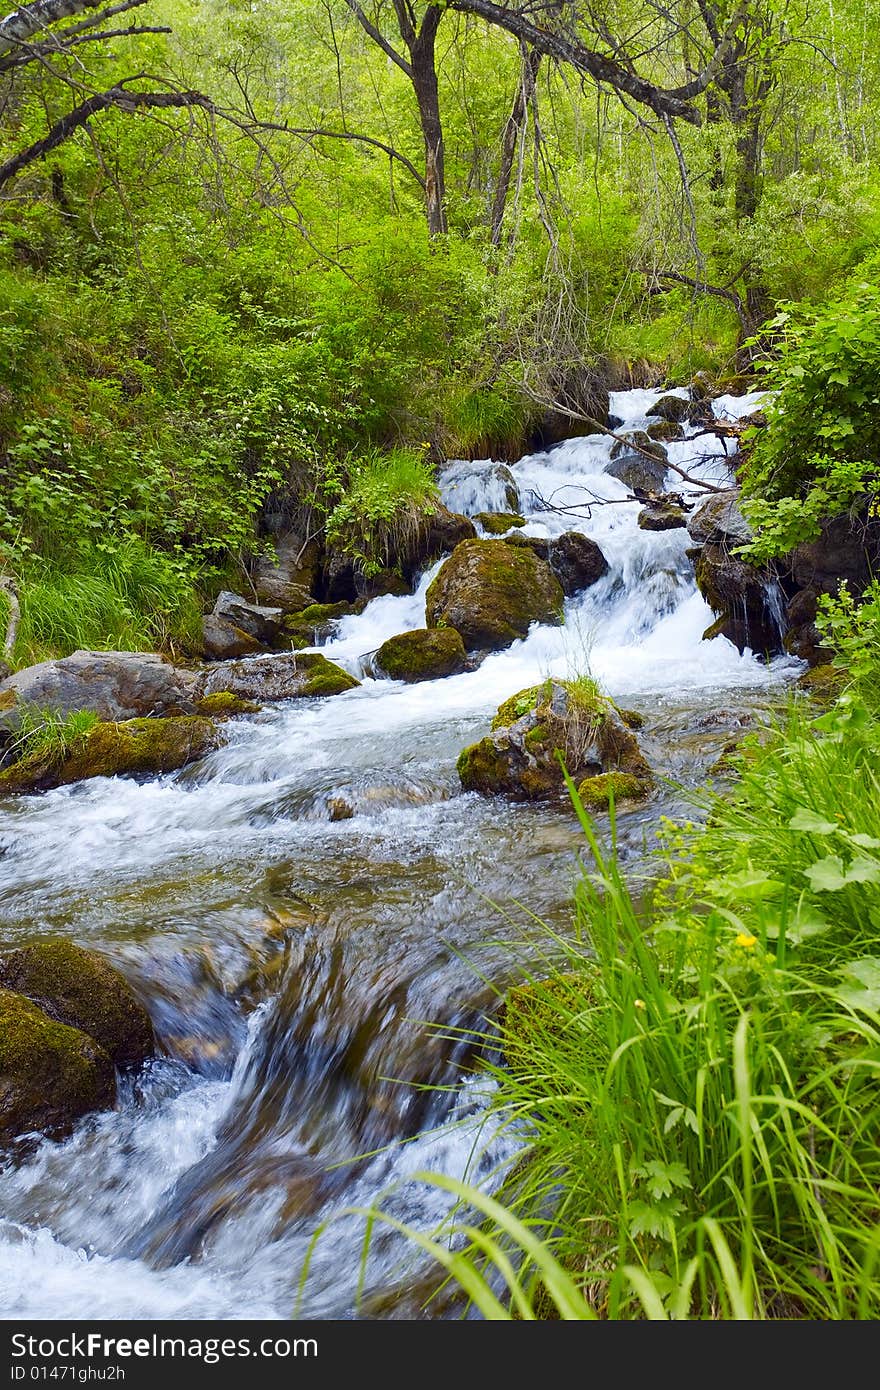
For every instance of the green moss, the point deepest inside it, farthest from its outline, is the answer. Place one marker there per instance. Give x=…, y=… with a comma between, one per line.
x=631, y=718
x=537, y=737
x=52, y=1074
x=492, y=592
x=424, y=654
x=323, y=677
x=515, y=706
x=823, y=683
x=624, y=786
x=482, y=768
x=314, y=623
x=79, y=988
x=496, y=523
x=223, y=703
x=667, y=431
x=130, y=748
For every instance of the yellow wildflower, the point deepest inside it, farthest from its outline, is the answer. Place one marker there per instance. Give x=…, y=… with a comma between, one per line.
x=746, y=941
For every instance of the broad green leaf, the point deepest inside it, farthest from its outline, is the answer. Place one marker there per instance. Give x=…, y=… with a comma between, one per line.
x=805, y=819
x=827, y=875
x=861, y=987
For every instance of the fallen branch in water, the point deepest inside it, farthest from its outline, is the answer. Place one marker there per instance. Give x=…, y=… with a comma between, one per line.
x=627, y=442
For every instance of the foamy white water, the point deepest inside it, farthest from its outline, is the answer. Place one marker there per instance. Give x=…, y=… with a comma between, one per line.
x=198, y=1196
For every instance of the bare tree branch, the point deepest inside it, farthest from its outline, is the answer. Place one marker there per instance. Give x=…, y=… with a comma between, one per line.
x=21, y=26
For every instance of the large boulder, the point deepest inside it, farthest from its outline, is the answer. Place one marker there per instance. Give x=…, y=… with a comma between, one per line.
x=80, y=988
x=113, y=685
x=50, y=1074
x=671, y=408
x=287, y=579
x=222, y=641
x=491, y=593
x=133, y=747
x=286, y=676
x=745, y=598
x=427, y=654
x=719, y=521
x=638, y=462
x=576, y=561
x=255, y=619
x=520, y=759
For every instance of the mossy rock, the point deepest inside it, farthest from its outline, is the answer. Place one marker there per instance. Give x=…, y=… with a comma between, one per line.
x=666, y=431
x=823, y=683
x=537, y=1010
x=660, y=518
x=312, y=625
x=145, y=747
x=283, y=676
x=425, y=654
x=50, y=1074
x=515, y=706
x=544, y=727
x=496, y=523
x=223, y=704
x=623, y=786
x=631, y=718
x=491, y=593
x=81, y=989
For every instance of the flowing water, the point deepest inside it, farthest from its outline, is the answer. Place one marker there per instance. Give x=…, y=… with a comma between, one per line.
x=313, y=981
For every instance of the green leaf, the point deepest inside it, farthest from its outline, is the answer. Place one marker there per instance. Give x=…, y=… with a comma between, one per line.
x=864, y=991
x=805, y=819
x=827, y=875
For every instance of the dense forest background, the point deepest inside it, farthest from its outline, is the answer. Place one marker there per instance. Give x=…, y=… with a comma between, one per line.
x=307, y=250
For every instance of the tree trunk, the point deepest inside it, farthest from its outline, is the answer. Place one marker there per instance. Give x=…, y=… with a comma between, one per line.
x=424, y=81
x=531, y=60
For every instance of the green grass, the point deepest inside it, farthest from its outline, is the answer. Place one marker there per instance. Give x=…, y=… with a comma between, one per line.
x=696, y=1076
x=49, y=734
x=125, y=598
x=382, y=497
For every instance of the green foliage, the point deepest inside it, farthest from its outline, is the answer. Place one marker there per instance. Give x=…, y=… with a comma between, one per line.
x=693, y=1072
x=820, y=453
x=376, y=502
x=852, y=629
x=46, y=734
x=118, y=597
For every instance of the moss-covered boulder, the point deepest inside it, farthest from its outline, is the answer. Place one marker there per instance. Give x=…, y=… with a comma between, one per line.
x=496, y=523
x=491, y=593
x=660, y=517
x=312, y=625
x=596, y=792
x=80, y=988
x=667, y=431
x=223, y=705
x=538, y=730
x=427, y=654
x=674, y=408
x=284, y=676
x=50, y=1074
x=134, y=747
